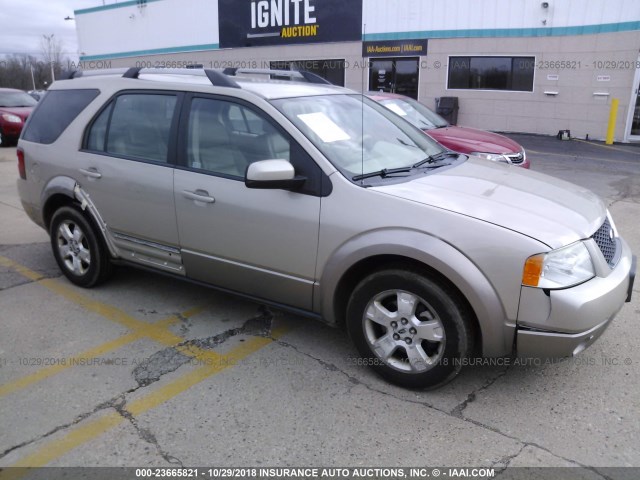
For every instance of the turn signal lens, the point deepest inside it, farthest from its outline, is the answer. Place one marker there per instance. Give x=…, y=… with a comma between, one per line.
x=533, y=270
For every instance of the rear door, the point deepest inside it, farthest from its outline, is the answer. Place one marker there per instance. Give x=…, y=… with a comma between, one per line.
x=258, y=242
x=126, y=168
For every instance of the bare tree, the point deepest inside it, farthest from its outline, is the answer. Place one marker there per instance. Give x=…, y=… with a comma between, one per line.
x=26, y=71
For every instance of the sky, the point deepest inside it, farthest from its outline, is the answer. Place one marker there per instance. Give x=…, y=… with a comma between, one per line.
x=24, y=22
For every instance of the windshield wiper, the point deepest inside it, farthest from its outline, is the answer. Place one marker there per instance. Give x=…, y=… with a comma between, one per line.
x=385, y=172
x=435, y=158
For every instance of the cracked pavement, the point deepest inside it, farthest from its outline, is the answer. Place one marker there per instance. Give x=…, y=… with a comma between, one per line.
x=301, y=398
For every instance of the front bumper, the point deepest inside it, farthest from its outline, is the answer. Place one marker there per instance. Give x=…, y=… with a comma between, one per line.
x=562, y=323
x=12, y=130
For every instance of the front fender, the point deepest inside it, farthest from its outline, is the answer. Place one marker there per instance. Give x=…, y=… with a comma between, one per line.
x=497, y=331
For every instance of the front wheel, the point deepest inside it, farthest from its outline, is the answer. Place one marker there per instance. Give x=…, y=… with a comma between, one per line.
x=80, y=253
x=413, y=331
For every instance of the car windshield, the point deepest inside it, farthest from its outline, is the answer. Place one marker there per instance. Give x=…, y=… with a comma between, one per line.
x=16, y=99
x=356, y=134
x=414, y=112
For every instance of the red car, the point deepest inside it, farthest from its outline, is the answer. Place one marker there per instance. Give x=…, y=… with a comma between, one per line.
x=459, y=139
x=15, y=107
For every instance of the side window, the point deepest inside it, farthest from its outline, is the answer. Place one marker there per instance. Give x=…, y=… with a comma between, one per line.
x=225, y=137
x=245, y=121
x=55, y=112
x=98, y=133
x=135, y=125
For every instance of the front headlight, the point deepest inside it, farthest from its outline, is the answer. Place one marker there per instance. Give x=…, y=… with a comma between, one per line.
x=11, y=118
x=562, y=268
x=494, y=157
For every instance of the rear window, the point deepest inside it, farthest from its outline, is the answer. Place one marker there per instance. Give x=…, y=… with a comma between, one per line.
x=55, y=112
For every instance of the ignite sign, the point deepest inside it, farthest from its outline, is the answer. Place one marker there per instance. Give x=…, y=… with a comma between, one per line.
x=252, y=23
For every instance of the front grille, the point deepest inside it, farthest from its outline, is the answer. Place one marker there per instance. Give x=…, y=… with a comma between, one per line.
x=516, y=159
x=605, y=239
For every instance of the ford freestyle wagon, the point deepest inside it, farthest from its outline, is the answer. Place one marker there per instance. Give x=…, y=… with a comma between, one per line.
x=315, y=199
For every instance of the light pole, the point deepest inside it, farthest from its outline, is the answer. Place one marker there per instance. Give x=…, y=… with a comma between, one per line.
x=49, y=39
x=33, y=80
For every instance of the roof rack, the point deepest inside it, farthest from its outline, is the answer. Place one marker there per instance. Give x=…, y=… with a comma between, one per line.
x=293, y=74
x=217, y=78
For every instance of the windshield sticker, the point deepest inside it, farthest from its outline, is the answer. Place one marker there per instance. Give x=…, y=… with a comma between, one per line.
x=396, y=109
x=324, y=127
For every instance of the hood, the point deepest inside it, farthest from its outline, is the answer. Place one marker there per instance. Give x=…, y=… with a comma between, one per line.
x=550, y=210
x=467, y=140
x=22, y=112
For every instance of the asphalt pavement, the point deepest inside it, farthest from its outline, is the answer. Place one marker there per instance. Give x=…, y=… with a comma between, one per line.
x=150, y=371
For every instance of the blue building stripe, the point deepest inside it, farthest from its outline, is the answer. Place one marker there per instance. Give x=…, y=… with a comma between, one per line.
x=155, y=51
x=507, y=32
x=111, y=6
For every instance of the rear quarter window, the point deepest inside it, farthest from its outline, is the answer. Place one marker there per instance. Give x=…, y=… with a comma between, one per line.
x=55, y=112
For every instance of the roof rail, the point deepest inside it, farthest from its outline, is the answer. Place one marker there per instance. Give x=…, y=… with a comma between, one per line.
x=301, y=75
x=132, y=73
x=216, y=78
x=219, y=79
x=314, y=78
x=71, y=74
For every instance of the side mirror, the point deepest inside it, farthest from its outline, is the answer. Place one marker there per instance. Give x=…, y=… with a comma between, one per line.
x=273, y=174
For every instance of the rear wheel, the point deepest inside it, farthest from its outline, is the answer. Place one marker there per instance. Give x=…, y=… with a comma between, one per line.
x=80, y=253
x=410, y=329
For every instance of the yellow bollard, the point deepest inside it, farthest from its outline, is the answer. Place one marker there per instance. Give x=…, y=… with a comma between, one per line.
x=611, y=128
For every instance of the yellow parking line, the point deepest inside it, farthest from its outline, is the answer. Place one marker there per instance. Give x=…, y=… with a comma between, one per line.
x=609, y=147
x=161, y=335
x=149, y=330
x=109, y=312
x=582, y=157
x=21, y=269
x=56, y=448
x=98, y=351
x=47, y=372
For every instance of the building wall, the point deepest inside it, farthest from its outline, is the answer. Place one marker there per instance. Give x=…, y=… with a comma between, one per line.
x=386, y=19
x=575, y=107
x=124, y=29
x=599, y=38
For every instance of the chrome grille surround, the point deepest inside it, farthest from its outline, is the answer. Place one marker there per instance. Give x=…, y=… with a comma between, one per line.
x=515, y=158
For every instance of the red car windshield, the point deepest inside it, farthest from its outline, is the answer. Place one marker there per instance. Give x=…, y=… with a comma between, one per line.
x=16, y=99
x=414, y=112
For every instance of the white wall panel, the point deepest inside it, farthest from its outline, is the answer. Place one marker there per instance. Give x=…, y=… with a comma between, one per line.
x=160, y=25
x=176, y=25
x=392, y=16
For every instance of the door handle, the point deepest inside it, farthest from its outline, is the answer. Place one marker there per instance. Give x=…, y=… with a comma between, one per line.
x=91, y=173
x=199, y=196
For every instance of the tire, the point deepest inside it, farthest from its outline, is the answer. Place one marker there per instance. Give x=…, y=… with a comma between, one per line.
x=80, y=253
x=412, y=331
x=6, y=141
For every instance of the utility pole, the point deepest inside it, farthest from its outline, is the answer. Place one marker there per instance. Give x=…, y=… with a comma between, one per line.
x=50, y=53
